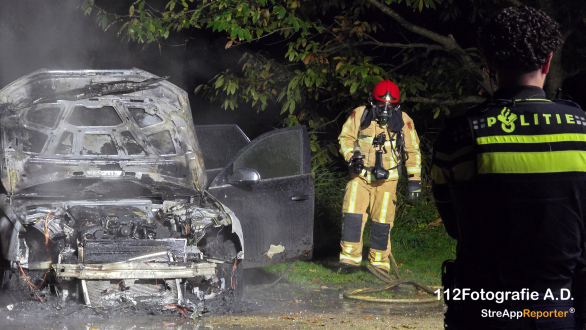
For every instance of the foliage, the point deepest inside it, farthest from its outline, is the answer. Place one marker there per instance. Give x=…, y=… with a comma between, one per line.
x=331, y=54
x=329, y=194
x=330, y=60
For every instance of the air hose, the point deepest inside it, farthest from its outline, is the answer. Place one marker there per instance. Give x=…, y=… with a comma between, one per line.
x=391, y=283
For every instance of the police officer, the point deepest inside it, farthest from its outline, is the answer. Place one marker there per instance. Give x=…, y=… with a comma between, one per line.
x=376, y=141
x=509, y=180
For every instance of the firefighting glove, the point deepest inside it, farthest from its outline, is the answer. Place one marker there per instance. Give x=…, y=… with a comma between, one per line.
x=413, y=190
x=356, y=163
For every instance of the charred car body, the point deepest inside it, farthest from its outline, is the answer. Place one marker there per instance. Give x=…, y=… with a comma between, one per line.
x=112, y=194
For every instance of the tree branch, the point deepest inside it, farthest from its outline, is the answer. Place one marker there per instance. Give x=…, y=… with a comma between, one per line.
x=448, y=42
x=418, y=56
x=327, y=123
x=382, y=44
x=516, y=2
x=426, y=100
x=397, y=45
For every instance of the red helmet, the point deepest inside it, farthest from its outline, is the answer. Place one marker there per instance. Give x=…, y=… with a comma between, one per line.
x=386, y=91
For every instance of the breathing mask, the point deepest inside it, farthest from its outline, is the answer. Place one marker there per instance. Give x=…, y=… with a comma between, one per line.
x=385, y=113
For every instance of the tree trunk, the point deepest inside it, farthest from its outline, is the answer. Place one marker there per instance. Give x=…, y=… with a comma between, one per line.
x=555, y=77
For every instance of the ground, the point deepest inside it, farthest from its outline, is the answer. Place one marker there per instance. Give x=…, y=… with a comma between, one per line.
x=310, y=297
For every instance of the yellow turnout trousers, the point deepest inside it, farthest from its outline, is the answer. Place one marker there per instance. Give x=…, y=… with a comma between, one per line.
x=381, y=197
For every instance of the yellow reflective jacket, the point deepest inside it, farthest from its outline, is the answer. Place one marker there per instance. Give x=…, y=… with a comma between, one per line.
x=351, y=133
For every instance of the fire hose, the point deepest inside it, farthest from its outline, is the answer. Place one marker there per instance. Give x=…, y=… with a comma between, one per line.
x=278, y=279
x=391, y=283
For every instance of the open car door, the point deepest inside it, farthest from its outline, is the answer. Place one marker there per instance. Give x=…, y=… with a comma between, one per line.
x=268, y=185
x=219, y=144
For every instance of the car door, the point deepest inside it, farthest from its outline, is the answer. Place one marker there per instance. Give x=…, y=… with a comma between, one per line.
x=269, y=186
x=218, y=145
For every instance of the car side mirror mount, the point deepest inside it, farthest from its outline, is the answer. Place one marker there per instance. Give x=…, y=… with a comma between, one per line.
x=244, y=175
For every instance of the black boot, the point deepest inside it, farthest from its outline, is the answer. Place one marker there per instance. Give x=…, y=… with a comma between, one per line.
x=344, y=268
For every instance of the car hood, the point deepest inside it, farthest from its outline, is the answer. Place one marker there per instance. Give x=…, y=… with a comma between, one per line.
x=110, y=125
x=100, y=189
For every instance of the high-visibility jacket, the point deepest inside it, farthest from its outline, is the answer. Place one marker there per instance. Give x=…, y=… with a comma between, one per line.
x=352, y=132
x=509, y=180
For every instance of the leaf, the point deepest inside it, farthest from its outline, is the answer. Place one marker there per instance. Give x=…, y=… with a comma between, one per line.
x=420, y=5
x=436, y=113
x=219, y=82
x=247, y=36
x=284, y=109
x=146, y=45
x=229, y=44
x=131, y=10
x=354, y=87
x=280, y=11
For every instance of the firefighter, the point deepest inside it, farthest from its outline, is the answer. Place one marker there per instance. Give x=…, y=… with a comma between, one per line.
x=509, y=181
x=380, y=131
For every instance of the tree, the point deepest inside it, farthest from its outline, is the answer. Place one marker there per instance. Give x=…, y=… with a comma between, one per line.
x=332, y=52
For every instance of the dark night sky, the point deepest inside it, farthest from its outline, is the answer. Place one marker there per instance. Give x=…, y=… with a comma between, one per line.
x=36, y=34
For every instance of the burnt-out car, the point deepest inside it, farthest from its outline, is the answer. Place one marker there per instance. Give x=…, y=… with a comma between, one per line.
x=112, y=194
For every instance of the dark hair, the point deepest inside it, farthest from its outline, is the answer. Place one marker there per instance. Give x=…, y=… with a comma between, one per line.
x=519, y=39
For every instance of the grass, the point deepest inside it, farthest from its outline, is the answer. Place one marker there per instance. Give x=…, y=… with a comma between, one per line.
x=419, y=253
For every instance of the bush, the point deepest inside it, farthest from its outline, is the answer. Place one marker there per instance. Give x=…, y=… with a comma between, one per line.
x=329, y=195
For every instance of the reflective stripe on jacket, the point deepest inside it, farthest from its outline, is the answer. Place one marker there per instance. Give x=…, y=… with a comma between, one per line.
x=351, y=133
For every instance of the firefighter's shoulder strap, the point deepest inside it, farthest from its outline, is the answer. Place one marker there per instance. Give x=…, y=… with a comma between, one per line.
x=367, y=116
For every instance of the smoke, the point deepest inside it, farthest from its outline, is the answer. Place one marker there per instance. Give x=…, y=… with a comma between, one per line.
x=55, y=34
x=36, y=34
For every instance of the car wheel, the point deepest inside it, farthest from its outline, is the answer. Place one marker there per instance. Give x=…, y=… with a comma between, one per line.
x=232, y=272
